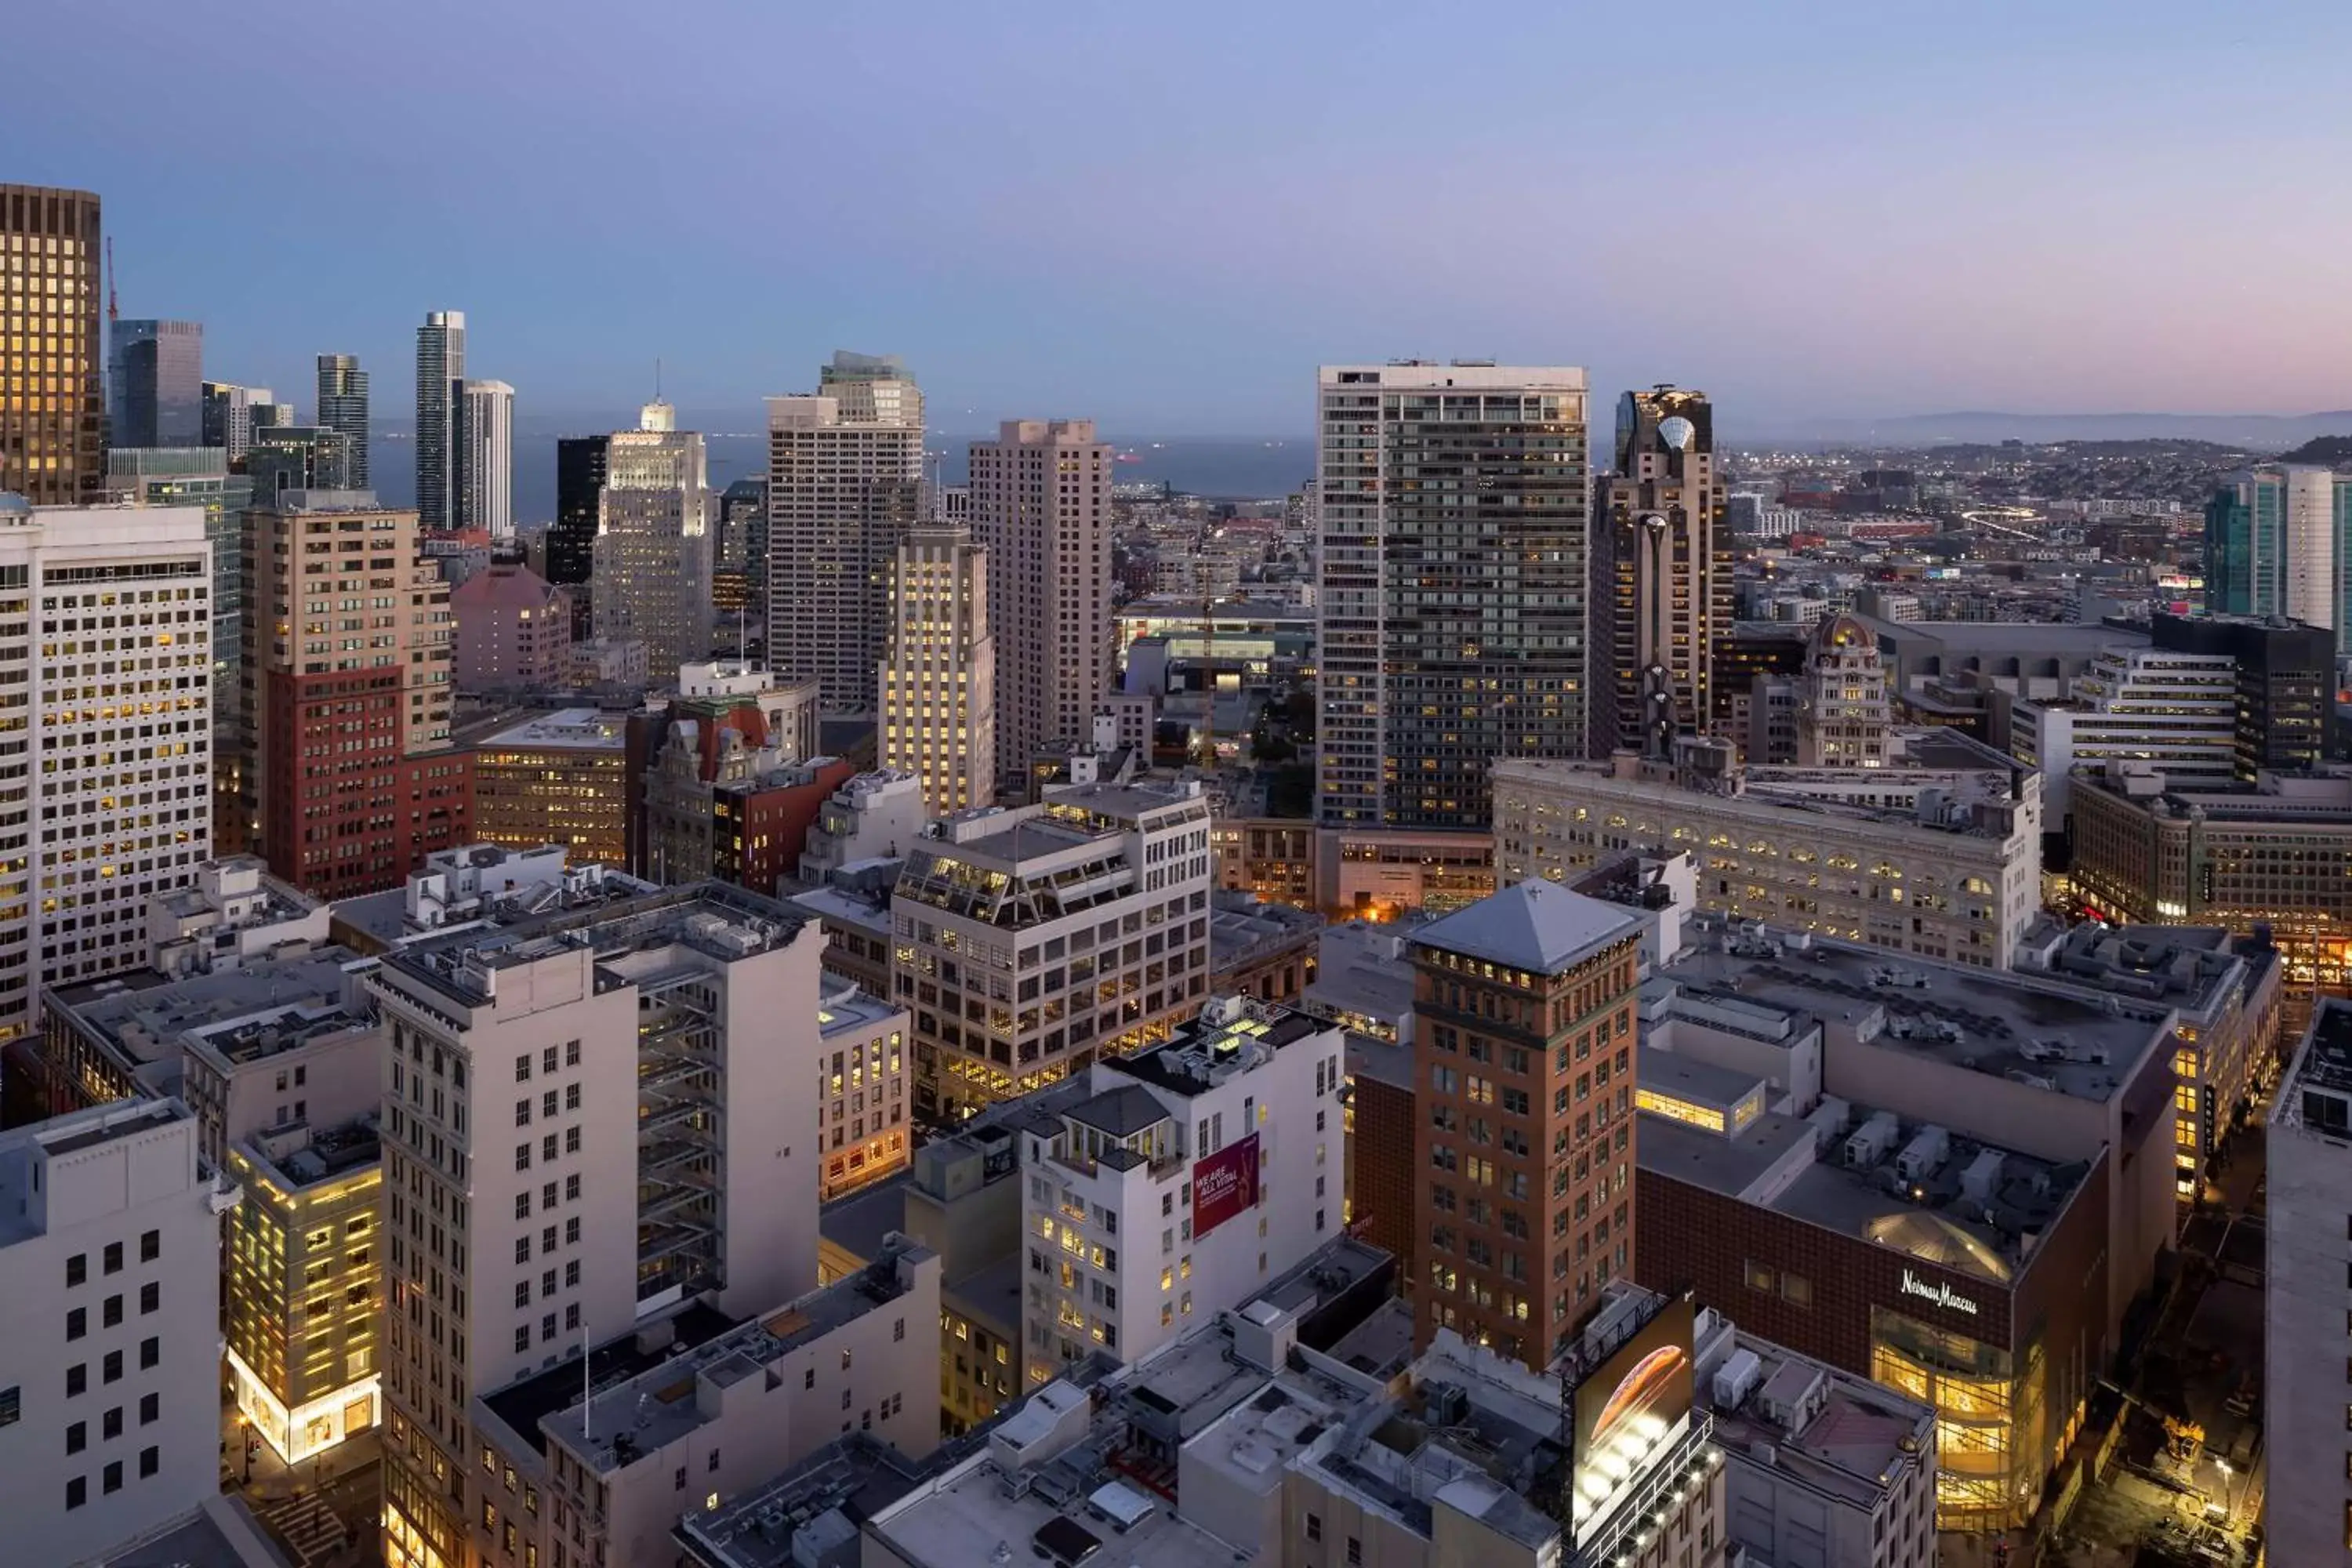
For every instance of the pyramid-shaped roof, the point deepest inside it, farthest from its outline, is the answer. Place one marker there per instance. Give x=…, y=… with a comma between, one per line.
x=1536, y=926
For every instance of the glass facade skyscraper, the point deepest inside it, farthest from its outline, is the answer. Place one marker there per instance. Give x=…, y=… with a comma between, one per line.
x=344, y=405
x=2278, y=542
x=155, y=383
x=440, y=366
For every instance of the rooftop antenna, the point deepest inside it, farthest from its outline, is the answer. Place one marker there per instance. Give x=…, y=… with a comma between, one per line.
x=657, y=378
x=111, y=313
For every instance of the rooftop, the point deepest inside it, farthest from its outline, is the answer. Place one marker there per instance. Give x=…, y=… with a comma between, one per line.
x=853, y=1012
x=1230, y=1034
x=1957, y=1202
x=222, y=1533
x=2317, y=1095
x=1823, y=1428
x=2069, y=1038
x=827, y=1496
x=260, y=1007
x=23, y=1149
x=522, y=1404
x=1536, y=926
x=1361, y=977
x=966, y=1516
x=1243, y=929
x=298, y=1155
x=844, y=907
x=567, y=729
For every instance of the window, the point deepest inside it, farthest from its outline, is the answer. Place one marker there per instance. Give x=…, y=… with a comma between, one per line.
x=522, y=1068
x=76, y=1437
x=522, y=1206
x=522, y=1250
x=78, y=1382
x=1796, y=1290
x=77, y=1492
x=150, y=1298
x=114, y=1257
x=1314, y=1527
x=572, y=1231
x=522, y=1111
x=547, y=1148
x=522, y=1337
x=1355, y=1550
x=572, y=1272
x=572, y=1097
x=149, y=1409
x=150, y=1246
x=572, y=1188
x=150, y=1461
x=113, y=1478
x=572, y=1140
x=713, y=1464
x=808, y=1378
x=151, y=1350
x=113, y=1310
x=112, y=1427
x=522, y=1293
x=76, y=1269
x=78, y=1322
x=572, y=1053
x=522, y=1156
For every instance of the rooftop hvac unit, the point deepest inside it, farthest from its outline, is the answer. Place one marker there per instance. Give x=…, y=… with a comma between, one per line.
x=1925, y=1154
x=1871, y=1140
x=1737, y=1378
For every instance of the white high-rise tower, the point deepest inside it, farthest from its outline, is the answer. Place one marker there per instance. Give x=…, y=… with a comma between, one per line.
x=938, y=681
x=486, y=458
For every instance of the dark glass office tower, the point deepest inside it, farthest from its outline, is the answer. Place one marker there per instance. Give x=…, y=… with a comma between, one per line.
x=440, y=366
x=581, y=463
x=2286, y=685
x=344, y=405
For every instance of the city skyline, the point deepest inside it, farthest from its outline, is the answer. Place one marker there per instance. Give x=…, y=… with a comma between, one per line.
x=1897, y=222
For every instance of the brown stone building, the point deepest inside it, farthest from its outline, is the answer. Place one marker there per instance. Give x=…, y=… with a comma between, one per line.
x=1523, y=1047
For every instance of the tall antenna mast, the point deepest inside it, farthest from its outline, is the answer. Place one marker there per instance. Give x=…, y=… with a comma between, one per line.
x=112, y=312
x=657, y=378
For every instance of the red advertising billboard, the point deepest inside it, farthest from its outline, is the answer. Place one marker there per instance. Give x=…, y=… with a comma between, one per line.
x=1224, y=1184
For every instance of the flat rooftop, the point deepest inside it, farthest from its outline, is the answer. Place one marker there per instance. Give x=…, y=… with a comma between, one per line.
x=1691, y=1081
x=1938, y=1216
x=302, y=1156
x=653, y=1409
x=23, y=1149
x=1359, y=970
x=1848, y=1432
x=830, y=1495
x=2072, y=1038
x=566, y=730
x=1205, y=1052
x=844, y=908
x=522, y=1404
x=853, y=1012
x=258, y=1007
x=1241, y=928
x=2319, y=1074
x=966, y=1518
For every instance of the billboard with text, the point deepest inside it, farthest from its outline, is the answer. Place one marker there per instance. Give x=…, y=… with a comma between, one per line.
x=1224, y=1184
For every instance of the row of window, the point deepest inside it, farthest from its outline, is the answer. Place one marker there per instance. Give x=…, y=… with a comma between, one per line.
x=151, y=1247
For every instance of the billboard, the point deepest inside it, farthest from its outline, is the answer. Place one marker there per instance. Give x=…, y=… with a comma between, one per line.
x=1226, y=1184
x=1638, y=1396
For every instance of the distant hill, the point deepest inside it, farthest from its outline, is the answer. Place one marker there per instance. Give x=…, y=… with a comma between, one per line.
x=2247, y=432
x=2329, y=449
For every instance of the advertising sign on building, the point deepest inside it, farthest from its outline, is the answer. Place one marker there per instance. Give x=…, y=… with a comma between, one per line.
x=1224, y=1184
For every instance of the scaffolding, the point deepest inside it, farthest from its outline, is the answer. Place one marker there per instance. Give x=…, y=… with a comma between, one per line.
x=678, y=1131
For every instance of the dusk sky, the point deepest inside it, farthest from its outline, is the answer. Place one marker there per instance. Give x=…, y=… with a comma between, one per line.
x=1166, y=215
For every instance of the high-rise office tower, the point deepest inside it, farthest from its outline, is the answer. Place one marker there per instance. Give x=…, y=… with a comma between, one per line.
x=123, y=594
x=1452, y=596
x=613, y=1091
x=938, y=680
x=486, y=458
x=1660, y=576
x=844, y=484
x=155, y=383
x=230, y=415
x=580, y=467
x=52, y=440
x=440, y=366
x=346, y=738
x=297, y=457
x=1523, y=1014
x=650, y=579
x=2278, y=542
x=344, y=405
x=2286, y=686
x=1041, y=506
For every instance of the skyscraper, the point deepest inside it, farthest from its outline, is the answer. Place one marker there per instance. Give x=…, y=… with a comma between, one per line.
x=347, y=746
x=580, y=467
x=228, y=416
x=1660, y=576
x=486, y=458
x=844, y=483
x=155, y=383
x=2278, y=542
x=344, y=405
x=1452, y=584
x=938, y=681
x=52, y=446
x=1041, y=505
x=297, y=457
x=440, y=366
x=651, y=578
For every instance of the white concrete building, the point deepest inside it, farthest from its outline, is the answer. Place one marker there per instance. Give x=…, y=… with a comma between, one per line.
x=2308, y=1503
x=2177, y=712
x=612, y=1087
x=844, y=486
x=861, y=1090
x=873, y=816
x=1041, y=506
x=486, y=458
x=937, y=679
x=1031, y=941
x=1180, y=1186
x=106, y=667
x=109, y=1329
x=234, y=910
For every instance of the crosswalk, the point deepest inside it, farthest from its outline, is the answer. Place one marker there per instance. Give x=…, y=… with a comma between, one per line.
x=307, y=1525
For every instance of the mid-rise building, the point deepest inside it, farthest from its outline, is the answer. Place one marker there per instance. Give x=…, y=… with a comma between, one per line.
x=727, y=1411
x=344, y=406
x=304, y=1296
x=2286, y=684
x=346, y=721
x=861, y=1090
x=650, y=573
x=231, y=909
x=228, y=418
x=199, y=476
x=873, y=816
x=581, y=464
x=1041, y=508
x=110, y=1300
x=513, y=631
x=105, y=645
x=1033, y=940
x=289, y=457
x=1662, y=598
x=938, y=680
x=608, y=661
x=844, y=482
x=739, y=575
x=557, y=778
x=485, y=450
x=1238, y=1116
x=853, y=907
x=2175, y=712
x=155, y=383
x=440, y=368
x=613, y=1092
x=52, y=427
x=1523, y=1026
x=2278, y=542
x=1474, y=473
x=2307, y=1495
